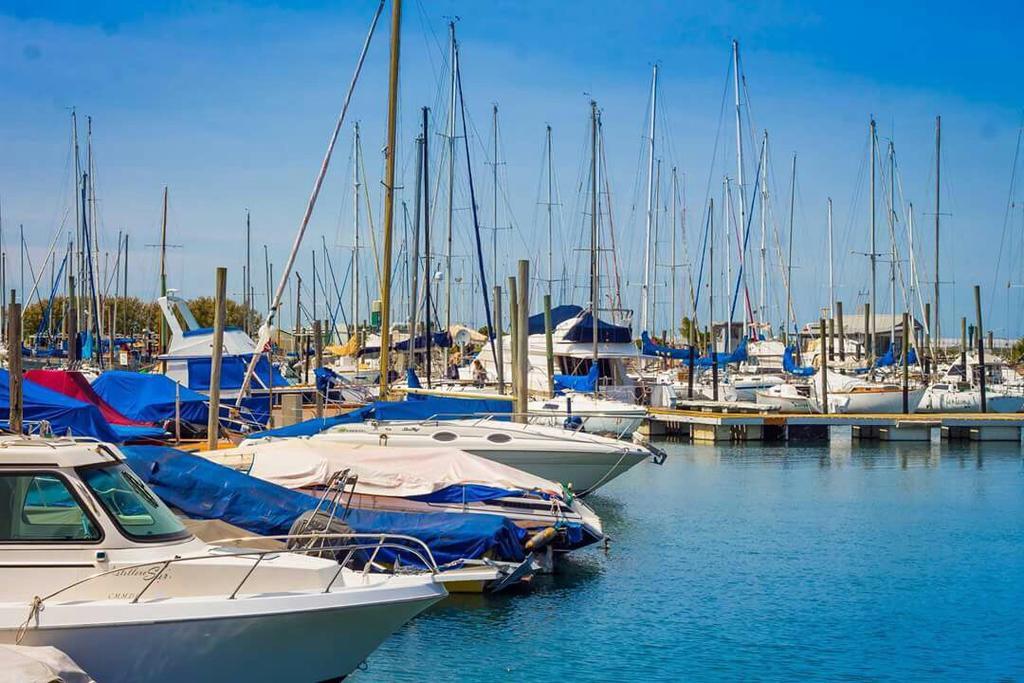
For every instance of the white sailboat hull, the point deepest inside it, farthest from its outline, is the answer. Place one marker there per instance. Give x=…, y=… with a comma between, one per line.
x=939, y=401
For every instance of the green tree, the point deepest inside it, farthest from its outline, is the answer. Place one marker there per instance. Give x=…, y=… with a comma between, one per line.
x=202, y=308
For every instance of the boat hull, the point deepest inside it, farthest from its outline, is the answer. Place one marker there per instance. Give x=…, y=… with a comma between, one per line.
x=584, y=471
x=299, y=637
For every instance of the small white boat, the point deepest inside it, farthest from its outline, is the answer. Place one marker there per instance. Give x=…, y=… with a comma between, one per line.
x=98, y=567
x=596, y=415
x=746, y=385
x=788, y=398
x=575, y=459
x=954, y=397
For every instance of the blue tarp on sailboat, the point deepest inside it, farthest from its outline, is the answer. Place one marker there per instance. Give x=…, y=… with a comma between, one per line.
x=581, y=383
x=738, y=355
x=232, y=372
x=205, y=490
x=64, y=413
x=441, y=340
x=649, y=348
x=788, y=365
x=607, y=333
x=150, y=397
x=559, y=314
x=889, y=358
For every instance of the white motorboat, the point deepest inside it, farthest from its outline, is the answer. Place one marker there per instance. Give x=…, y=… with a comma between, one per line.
x=961, y=397
x=430, y=479
x=595, y=415
x=575, y=459
x=788, y=398
x=98, y=567
x=747, y=385
x=848, y=394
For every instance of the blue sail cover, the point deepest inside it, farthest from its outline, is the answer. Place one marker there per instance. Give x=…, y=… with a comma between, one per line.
x=582, y=383
x=441, y=340
x=232, y=372
x=889, y=358
x=64, y=413
x=788, y=365
x=738, y=355
x=649, y=348
x=607, y=333
x=149, y=397
x=205, y=490
x=559, y=314
x=413, y=408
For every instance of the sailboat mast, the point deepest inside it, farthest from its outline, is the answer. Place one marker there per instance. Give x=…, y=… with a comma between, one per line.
x=247, y=280
x=356, y=186
x=831, y=264
x=892, y=242
x=551, y=263
x=389, y=200
x=936, y=335
x=494, y=169
x=594, y=207
x=739, y=154
x=874, y=254
x=763, y=182
x=649, y=218
x=163, y=275
x=727, y=222
x=454, y=61
x=789, y=258
x=414, y=275
x=672, y=318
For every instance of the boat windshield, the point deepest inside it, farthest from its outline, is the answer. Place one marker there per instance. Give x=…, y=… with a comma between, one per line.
x=138, y=513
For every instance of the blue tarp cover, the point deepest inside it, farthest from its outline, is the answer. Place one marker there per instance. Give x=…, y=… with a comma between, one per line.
x=559, y=314
x=205, y=490
x=607, y=333
x=582, y=383
x=649, y=348
x=149, y=397
x=414, y=408
x=890, y=358
x=791, y=367
x=62, y=412
x=738, y=355
x=439, y=339
x=232, y=372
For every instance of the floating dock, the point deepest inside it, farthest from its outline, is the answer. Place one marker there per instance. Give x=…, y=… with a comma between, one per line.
x=739, y=422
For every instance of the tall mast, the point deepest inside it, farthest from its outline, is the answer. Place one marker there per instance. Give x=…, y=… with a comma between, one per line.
x=494, y=169
x=739, y=157
x=649, y=218
x=711, y=271
x=163, y=274
x=673, y=318
x=892, y=242
x=248, y=272
x=654, y=243
x=356, y=185
x=831, y=264
x=873, y=255
x=427, y=272
x=763, y=182
x=454, y=61
x=789, y=259
x=78, y=217
x=936, y=335
x=389, y=199
x=551, y=263
x=414, y=275
x=594, y=207
x=727, y=222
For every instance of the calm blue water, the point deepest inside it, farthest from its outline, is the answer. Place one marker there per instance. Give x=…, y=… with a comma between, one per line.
x=849, y=562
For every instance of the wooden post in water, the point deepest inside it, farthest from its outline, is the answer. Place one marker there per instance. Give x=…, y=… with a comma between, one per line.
x=963, y=348
x=925, y=357
x=318, y=346
x=72, y=317
x=216, y=357
x=831, y=339
x=549, y=345
x=499, y=350
x=991, y=342
x=823, y=363
x=981, y=346
x=513, y=328
x=523, y=378
x=714, y=369
x=16, y=397
x=869, y=344
x=177, y=412
x=906, y=364
x=270, y=391
x=842, y=332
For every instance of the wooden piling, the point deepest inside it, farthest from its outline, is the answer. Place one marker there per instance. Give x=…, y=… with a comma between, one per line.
x=549, y=345
x=925, y=356
x=523, y=376
x=963, y=348
x=906, y=364
x=16, y=398
x=831, y=339
x=216, y=357
x=714, y=368
x=318, y=346
x=513, y=317
x=981, y=346
x=842, y=332
x=690, y=361
x=869, y=345
x=72, y=318
x=498, y=341
x=823, y=363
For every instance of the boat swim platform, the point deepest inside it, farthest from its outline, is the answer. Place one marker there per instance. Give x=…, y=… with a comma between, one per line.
x=723, y=422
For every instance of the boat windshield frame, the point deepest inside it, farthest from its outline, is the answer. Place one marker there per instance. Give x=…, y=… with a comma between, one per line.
x=180, y=535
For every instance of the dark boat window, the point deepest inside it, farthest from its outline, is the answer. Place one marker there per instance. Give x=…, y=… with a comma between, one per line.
x=41, y=508
x=444, y=436
x=499, y=438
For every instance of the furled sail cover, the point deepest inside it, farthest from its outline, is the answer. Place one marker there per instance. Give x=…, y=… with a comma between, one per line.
x=791, y=367
x=738, y=355
x=559, y=314
x=205, y=490
x=649, y=348
x=582, y=383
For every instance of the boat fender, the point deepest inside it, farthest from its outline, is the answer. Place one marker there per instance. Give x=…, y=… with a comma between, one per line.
x=541, y=539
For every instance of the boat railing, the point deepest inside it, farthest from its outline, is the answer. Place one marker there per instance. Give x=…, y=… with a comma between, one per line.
x=353, y=544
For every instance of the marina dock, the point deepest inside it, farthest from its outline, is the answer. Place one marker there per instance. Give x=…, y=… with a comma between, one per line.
x=729, y=423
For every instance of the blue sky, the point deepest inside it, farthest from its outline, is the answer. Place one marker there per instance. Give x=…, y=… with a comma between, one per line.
x=230, y=105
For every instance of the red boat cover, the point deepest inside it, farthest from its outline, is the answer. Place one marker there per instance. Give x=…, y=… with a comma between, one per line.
x=74, y=384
